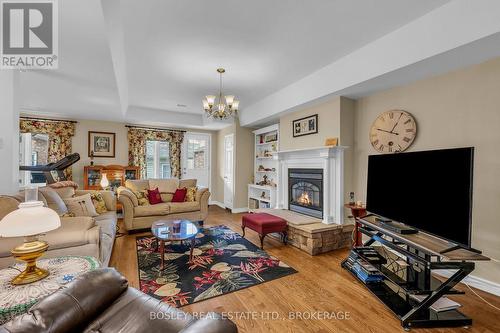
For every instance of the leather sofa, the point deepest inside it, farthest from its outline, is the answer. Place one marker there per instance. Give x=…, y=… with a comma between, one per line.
x=137, y=216
x=84, y=236
x=101, y=301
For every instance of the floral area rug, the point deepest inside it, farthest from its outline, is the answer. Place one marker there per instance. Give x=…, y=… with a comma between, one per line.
x=223, y=262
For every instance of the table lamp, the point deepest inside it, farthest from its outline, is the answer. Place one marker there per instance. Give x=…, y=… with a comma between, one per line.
x=29, y=221
x=104, y=181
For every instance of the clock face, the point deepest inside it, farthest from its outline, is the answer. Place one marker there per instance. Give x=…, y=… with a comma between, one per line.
x=393, y=131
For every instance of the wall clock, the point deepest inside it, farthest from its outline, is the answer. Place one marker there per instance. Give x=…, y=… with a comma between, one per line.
x=393, y=131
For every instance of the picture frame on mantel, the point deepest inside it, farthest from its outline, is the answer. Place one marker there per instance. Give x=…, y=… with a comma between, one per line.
x=101, y=144
x=305, y=126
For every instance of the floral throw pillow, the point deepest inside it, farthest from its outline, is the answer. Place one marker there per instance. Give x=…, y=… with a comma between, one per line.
x=142, y=197
x=191, y=194
x=99, y=203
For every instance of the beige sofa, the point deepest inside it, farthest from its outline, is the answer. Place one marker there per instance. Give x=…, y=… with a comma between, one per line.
x=84, y=236
x=138, y=217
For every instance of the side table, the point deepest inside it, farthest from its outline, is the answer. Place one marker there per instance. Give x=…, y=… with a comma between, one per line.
x=357, y=212
x=16, y=300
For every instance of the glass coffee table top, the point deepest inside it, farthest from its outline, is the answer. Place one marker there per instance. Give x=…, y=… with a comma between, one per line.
x=174, y=230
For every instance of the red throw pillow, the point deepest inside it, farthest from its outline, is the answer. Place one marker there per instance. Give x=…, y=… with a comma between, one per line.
x=154, y=196
x=179, y=195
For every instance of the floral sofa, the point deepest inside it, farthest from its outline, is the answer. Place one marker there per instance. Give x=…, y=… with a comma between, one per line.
x=140, y=214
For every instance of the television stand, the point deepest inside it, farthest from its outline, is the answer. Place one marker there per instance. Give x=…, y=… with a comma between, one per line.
x=406, y=269
x=458, y=247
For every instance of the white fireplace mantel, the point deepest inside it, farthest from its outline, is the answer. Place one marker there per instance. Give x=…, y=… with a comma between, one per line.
x=328, y=158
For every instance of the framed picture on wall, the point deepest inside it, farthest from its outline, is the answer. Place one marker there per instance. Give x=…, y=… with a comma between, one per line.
x=102, y=144
x=305, y=126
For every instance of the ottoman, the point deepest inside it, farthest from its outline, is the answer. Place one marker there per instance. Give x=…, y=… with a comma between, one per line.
x=264, y=224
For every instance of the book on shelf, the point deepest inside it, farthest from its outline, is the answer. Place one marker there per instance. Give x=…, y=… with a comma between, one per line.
x=442, y=304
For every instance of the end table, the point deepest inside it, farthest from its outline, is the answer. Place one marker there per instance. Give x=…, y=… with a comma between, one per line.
x=16, y=300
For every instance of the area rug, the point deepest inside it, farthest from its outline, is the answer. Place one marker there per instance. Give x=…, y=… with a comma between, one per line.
x=223, y=262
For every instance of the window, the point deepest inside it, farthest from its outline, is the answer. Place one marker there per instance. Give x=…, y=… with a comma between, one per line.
x=196, y=154
x=33, y=150
x=158, y=159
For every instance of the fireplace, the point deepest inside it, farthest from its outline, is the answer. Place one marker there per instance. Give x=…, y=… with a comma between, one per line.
x=305, y=191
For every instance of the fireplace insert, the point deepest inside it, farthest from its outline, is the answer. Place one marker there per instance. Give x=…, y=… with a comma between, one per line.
x=305, y=191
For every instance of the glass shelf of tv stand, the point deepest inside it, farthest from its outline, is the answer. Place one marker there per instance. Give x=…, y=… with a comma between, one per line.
x=404, y=286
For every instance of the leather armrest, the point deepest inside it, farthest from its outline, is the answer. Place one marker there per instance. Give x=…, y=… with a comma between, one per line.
x=70, y=308
x=211, y=323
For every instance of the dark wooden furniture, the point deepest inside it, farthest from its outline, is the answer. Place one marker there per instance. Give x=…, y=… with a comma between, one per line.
x=116, y=174
x=410, y=273
x=357, y=211
x=264, y=224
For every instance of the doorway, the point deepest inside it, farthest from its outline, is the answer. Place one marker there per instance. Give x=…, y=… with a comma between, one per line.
x=196, y=158
x=228, y=170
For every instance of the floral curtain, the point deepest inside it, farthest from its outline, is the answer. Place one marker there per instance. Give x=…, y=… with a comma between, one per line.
x=137, y=138
x=59, y=132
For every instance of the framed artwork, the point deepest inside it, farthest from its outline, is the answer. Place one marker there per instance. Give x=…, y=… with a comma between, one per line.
x=305, y=126
x=102, y=144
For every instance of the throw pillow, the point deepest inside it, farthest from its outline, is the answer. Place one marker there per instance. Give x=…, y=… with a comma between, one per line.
x=179, y=195
x=99, y=203
x=142, y=197
x=81, y=206
x=154, y=196
x=191, y=194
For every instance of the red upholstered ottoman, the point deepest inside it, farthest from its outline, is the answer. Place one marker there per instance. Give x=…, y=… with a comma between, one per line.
x=264, y=224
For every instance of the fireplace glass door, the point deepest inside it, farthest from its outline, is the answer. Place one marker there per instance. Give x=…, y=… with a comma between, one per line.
x=305, y=191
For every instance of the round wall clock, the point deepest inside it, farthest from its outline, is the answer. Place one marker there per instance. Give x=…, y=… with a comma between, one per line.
x=393, y=131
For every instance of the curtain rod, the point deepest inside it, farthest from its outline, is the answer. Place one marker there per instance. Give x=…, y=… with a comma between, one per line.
x=48, y=119
x=156, y=128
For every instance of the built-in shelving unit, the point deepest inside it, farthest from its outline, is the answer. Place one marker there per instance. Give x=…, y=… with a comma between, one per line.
x=265, y=167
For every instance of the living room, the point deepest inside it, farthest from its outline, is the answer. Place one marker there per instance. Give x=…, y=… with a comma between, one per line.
x=167, y=169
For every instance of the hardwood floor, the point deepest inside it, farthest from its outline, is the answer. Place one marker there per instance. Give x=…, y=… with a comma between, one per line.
x=320, y=286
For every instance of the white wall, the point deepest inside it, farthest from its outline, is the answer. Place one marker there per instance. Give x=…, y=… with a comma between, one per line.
x=9, y=131
x=458, y=109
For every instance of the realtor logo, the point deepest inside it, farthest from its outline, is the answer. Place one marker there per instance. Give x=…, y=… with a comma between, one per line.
x=29, y=34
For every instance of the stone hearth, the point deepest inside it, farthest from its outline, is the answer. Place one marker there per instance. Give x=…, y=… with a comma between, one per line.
x=310, y=234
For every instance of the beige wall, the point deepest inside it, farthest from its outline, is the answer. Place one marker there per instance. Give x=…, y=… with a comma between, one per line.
x=244, y=165
x=458, y=109
x=80, y=145
x=243, y=158
x=328, y=126
x=335, y=120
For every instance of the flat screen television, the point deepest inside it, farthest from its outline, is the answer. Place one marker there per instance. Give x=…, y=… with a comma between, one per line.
x=428, y=190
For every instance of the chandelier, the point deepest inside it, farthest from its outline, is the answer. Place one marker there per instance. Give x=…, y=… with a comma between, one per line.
x=220, y=107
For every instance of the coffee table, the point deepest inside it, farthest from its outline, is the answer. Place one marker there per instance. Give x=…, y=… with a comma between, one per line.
x=174, y=231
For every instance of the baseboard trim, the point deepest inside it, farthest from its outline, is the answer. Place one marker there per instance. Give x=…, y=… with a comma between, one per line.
x=217, y=203
x=474, y=281
x=239, y=210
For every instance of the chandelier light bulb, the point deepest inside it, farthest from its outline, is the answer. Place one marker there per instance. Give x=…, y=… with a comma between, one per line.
x=235, y=105
x=229, y=100
x=205, y=104
x=210, y=100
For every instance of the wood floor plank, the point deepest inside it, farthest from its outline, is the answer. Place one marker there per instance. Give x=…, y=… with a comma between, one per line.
x=320, y=285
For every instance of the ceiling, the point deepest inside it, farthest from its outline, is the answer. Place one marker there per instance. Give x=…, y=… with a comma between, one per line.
x=139, y=60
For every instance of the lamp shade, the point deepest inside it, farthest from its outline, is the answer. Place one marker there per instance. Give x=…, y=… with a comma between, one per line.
x=104, y=181
x=31, y=219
